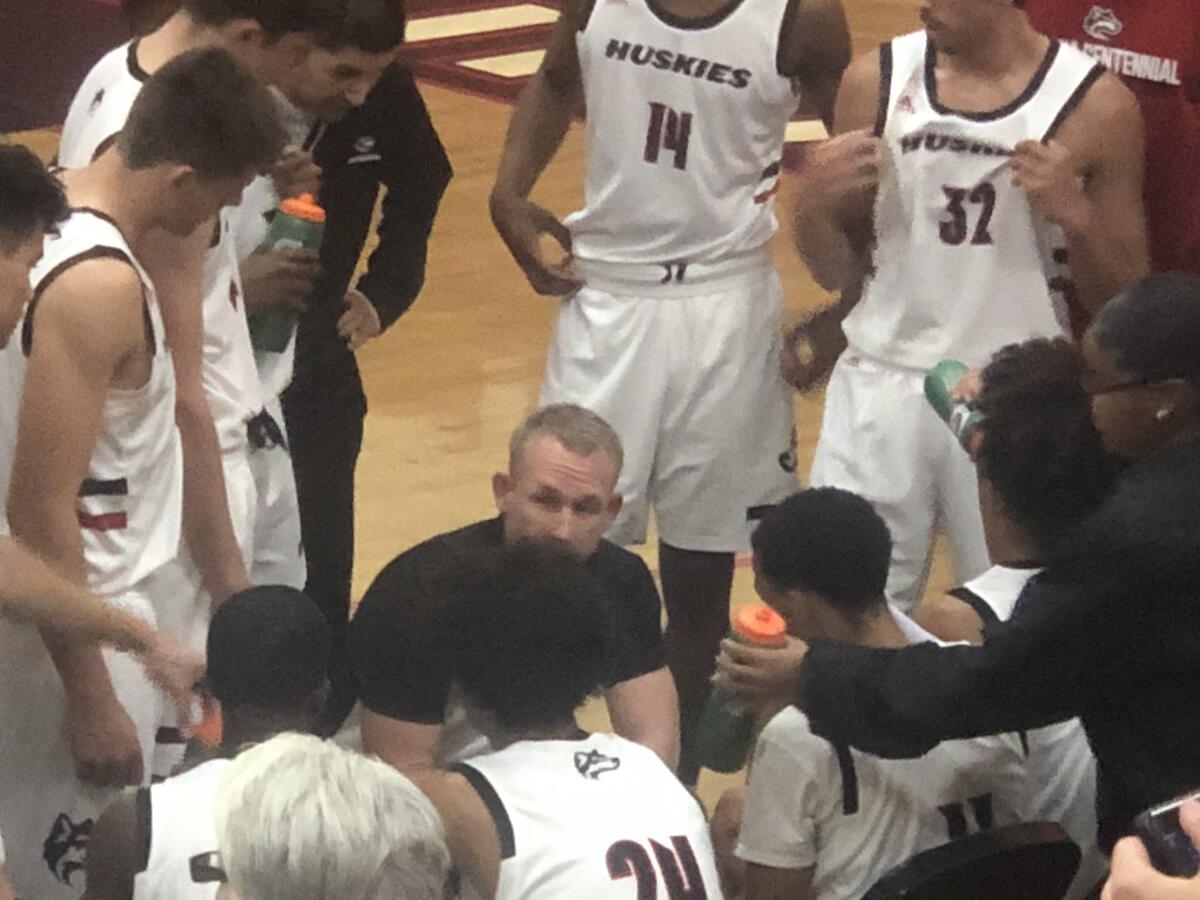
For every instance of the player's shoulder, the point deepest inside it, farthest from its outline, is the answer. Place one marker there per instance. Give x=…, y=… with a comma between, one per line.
x=614, y=564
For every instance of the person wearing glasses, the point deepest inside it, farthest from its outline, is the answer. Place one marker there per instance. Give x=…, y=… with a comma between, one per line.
x=1107, y=632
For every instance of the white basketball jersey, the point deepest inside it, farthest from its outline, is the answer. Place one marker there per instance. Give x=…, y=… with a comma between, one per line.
x=131, y=501
x=685, y=129
x=182, y=825
x=230, y=378
x=963, y=263
x=601, y=818
x=1062, y=769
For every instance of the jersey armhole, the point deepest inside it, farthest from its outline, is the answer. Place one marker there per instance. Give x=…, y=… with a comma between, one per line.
x=585, y=14
x=977, y=603
x=104, y=145
x=143, y=828
x=790, y=11
x=1074, y=100
x=97, y=252
x=885, y=88
x=495, y=807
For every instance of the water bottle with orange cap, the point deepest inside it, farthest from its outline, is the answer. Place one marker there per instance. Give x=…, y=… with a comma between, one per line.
x=298, y=224
x=726, y=731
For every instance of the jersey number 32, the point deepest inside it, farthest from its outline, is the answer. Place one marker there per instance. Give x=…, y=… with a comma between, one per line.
x=677, y=870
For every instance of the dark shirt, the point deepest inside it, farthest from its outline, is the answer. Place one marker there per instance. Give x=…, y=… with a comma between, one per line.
x=399, y=644
x=389, y=140
x=1110, y=631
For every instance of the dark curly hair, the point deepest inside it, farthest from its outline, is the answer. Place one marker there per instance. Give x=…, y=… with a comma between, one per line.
x=531, y=632
x=1040, y=450
x=31, y=199
x=828, y=541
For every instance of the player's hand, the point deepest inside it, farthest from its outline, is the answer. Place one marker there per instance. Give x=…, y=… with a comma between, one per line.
x=811, y=348
x=968, y=386
x=1134, y=878
x=521, y=225
x=176, y=670
x=842, y=169
x=295, y=173
x=279, y=279
x=761, y=676
x=1047, y=173
x=104, y=741
x=360, y=322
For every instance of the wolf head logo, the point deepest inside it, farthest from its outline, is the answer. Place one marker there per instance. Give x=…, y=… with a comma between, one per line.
x=64, y=847
x=1102, y=23
x=593, y=764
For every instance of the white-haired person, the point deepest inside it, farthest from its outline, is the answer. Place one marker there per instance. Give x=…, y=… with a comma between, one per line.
x=299, y=818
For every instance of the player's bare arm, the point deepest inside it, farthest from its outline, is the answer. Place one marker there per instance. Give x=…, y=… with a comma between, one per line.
x=88, y=337
x=1087, y=178
x=948, y=618
x=815, y=51
x=113, y=854
x=646, y=710
x=539, y=123
x=175, y=266
x=410, y=747
x=470, y=831
x=768, y=883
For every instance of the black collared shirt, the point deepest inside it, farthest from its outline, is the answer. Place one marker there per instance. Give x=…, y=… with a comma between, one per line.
x=400, y=647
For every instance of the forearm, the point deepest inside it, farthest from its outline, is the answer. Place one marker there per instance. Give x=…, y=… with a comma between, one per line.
x=30, y=591
x=539, y=123
x=208, y=529
x=824, y=245
x=1103, y=261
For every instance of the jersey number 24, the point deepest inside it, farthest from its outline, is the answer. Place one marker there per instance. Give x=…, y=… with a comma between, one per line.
x=677, y=870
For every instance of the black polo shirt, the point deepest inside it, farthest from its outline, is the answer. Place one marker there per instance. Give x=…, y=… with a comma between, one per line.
x=398, y=638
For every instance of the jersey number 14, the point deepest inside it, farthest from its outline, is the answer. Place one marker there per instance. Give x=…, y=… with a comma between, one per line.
x=668, y=130
x=678, y=872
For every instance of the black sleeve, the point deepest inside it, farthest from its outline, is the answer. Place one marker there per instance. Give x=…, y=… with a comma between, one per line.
x=416, y=171
x=401, y=658
x=639, y=647
x=1032, y=670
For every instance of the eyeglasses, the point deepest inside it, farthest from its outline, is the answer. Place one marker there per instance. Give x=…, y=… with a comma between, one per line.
x=206, y=868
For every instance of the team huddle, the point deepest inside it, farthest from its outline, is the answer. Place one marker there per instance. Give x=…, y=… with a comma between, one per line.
x=990, y=195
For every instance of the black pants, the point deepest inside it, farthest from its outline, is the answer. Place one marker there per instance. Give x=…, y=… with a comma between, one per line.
x=324, y=412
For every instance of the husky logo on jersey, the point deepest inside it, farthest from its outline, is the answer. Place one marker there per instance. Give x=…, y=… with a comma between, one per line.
x=64, y=848
x=905, y=104
x=593, y=764
x=1102, y=23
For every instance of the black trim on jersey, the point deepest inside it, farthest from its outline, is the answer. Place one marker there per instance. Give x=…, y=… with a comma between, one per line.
x=104, y=145
x=97, y=252
x=135, y=67
x=849, y=779
x=687, y=24
x=1074, y=100
x=495, y=807
x=104, y=487
x=143, y=827
x=1008, y=109
x=885, y=87
x=585, y=14
x=770, y=171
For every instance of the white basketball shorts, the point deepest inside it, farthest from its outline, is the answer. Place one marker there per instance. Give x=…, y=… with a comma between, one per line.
x=278, y=547
x=688, y=374
x=46, y=814
x=880, y=439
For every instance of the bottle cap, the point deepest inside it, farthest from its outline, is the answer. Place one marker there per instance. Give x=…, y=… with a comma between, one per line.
x=303, y=207
x=759, y=624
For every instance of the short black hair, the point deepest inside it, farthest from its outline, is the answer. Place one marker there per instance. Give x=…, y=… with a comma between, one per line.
x=1040, y=450
x=268, y=647
x=828, y=541
x=203, y=110
x=1153, y=327
x=532, y=628
x=31, y=199
x=372, y=26
x=277, y=17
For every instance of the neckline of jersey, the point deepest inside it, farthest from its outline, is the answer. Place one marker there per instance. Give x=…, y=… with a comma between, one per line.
x=131, y=62
x=1008, y=109
x=686, y=24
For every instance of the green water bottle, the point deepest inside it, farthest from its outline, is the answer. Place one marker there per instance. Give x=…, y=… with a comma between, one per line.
x=298, y=224
x=726, y=731
x=963, y=418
